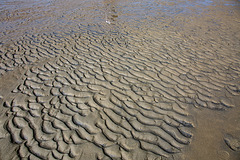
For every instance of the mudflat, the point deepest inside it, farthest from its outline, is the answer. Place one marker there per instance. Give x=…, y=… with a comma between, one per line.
x=120, y=79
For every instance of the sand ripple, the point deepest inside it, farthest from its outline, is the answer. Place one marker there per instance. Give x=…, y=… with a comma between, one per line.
x=123, y=93
x=95, y=96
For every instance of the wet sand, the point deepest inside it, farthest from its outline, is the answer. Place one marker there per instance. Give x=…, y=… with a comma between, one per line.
x=120, y=80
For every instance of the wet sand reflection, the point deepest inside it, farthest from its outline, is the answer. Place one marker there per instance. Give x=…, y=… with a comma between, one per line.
x=110, y=12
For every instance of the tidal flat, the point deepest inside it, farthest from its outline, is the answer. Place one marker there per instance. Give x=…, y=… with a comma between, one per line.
x=131, y=80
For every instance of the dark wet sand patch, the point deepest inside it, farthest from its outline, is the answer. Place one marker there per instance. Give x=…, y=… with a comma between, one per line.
x=209, y=136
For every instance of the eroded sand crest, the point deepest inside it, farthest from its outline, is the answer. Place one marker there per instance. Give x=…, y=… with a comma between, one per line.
x=112, y=95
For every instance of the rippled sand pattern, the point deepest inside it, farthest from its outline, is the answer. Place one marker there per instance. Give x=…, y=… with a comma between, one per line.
x=125, y=94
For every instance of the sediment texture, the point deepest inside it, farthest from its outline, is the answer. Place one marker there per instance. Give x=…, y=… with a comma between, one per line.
x=102, y=94
x=125, y=95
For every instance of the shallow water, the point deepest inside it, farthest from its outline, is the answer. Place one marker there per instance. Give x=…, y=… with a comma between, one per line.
x=120, y=79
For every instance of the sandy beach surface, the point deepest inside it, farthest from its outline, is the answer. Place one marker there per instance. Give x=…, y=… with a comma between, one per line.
x=131, y=80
